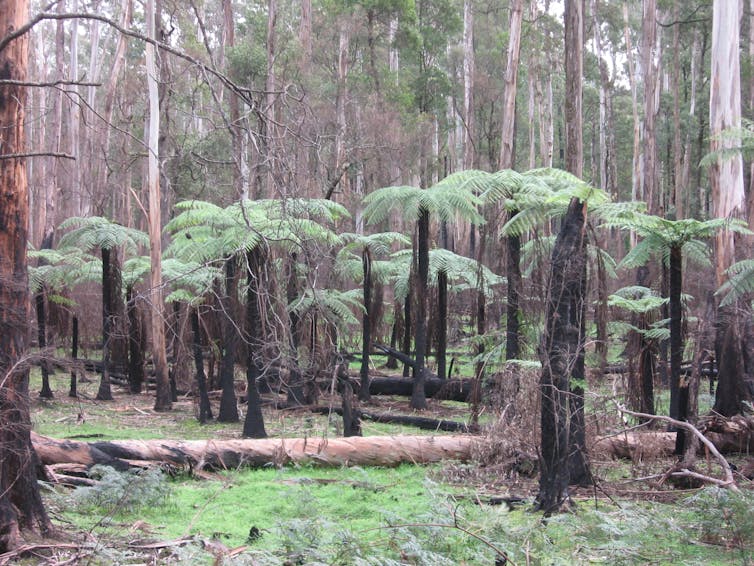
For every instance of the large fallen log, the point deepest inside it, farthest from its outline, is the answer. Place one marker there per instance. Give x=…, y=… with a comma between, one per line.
x=230, y=454
x=449, y=389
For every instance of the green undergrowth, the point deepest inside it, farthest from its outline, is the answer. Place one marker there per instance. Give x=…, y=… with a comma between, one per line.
x=402, y=515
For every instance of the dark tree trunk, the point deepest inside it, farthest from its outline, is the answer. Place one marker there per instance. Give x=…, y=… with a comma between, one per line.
x=679, y=390
x=418, y=398
x=366, y=326
x=205, y=409
x=442, y=324
x=46, y=392
x=228, y=407
x=578, y=468
x=72, y=391
x=349, y=407
x=296, y=396
x=253, y=426
x=21, y=506
x=512, y=339
x=392, y=363
x=135, y=344
x=731, y=389
x=406, y=345
x=118, y=348
x=104, y=392
x=560, y=351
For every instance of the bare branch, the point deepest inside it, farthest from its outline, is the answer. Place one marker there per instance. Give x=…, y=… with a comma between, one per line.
x=729, y=482
x=242, y=92
x=11, y=82
x=37, y=154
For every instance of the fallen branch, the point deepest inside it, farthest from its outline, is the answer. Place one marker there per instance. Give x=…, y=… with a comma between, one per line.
x=728, y=482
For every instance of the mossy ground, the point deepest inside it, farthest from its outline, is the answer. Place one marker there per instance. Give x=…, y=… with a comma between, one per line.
x=404, y=515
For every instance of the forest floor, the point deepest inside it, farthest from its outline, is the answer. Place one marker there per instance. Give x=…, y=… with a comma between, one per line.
x=475, y=512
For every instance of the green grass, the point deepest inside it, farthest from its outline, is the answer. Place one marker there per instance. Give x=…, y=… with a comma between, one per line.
x=337, y=515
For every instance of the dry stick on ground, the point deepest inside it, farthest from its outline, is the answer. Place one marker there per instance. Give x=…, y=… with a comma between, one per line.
x=728, y=482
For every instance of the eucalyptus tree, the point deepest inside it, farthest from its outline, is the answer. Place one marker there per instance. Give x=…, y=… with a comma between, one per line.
x=96, y=232
x=360, y=251
x=22, y=510
x=672, y=239
x=448, y=203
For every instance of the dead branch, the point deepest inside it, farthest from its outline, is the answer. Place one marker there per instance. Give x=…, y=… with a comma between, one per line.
x=728, y=482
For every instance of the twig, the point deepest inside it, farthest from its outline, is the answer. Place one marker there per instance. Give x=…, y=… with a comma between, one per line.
x=729, y=482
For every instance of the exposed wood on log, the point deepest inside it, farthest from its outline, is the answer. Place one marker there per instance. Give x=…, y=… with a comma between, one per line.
x=229, y=454
x=423, y=423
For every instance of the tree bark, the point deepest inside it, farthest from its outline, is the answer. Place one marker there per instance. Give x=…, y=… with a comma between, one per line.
x=163, y=398
x=253, y=426
x=366, y=326
x=442, y=324
x=230, y=454
x=205, y=409
x=21, y=507
x=135, y=344
x=418, y=397
x=726, y=178
x=104, y=392
x=228, y=412
x=511, y=77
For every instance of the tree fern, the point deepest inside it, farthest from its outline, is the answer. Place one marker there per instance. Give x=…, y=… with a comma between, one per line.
x=97, y=232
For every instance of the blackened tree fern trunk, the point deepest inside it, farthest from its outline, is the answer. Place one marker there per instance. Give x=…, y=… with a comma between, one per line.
x=228, y=412
x=418, y=396
x=253, y=426
x=679, y=390
x=442, y=324
x=560, y=350
x=366, y=326
x=512, y=329
x=135, y=344
x=73, y=389
x=205, y=409
x=104, y=393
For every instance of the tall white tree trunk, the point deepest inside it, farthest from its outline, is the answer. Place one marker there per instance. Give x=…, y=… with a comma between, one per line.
x=468, y=84
x=726, y=174
x=163, y=395
x=511, y=77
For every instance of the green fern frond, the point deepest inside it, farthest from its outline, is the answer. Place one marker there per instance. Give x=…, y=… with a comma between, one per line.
x=98, y=232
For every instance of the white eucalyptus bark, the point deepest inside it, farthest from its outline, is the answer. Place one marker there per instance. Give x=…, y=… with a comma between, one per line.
x=636, y=177
x=511, y=77
x=603, y=152
x=726, y=174
x=650, y=68
x=468, y=84
x=163, y=401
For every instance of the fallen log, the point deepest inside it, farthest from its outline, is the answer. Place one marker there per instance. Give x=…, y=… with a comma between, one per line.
x=230, y=454
x=448, y=389
x=423, y=423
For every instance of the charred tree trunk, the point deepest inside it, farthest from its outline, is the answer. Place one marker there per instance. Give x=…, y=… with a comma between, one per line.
x=205, y=409
x=418, y=398
x=46, y=392
x=104, y=393
x=228, y=407
x=296, y=396
x=512, y=342
x=253, y=426
x=135, y=344
x=442, y=324
x=72, y=391
x=406, y=345
x=679, y=390
x=349, y=406
x=731, y=390
x=561, y=348
x=21, y=507
x=366, y=338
